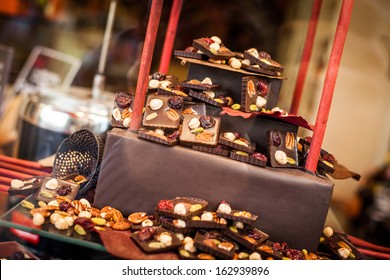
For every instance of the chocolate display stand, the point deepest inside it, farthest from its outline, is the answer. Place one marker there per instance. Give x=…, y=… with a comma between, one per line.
x=292, y=205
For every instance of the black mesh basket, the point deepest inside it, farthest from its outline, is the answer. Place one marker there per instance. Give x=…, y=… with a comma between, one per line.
x=81, y=153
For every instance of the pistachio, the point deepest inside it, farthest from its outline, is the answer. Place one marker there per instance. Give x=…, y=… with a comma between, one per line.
x=46, y=194
x=41, y=204
x=151, y=116
x=240, y=142
x=99, y=221
x=219, y=100
x=27, y=204
x=241, y=153
x=195, y=218
x=195, y=207
x=233, y=228
x=156, y=245
x=197, y=130
x=253, y=108
x=79, y=230
x=290, y=160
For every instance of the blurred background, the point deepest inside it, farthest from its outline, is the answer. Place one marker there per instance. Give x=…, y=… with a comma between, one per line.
x=358, y=130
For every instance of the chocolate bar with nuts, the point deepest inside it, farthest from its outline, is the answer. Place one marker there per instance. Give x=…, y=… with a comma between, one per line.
x=200, y=130
x=254, y=94
x=163, y=111
x=282, y=149
x=122, y=110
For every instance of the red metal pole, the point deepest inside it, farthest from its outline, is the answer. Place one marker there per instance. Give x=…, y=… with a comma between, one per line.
x=329, y=84
x=146, y=62
x=170, y=36
x=306, y=54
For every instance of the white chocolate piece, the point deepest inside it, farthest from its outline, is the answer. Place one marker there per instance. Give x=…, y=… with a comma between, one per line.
x=69, y=220
x=153, y=83
x=255, y=256
x=206, y=81
x=16, y=184
x=194, y=123
x=280, y=157
x=85, y=214
x=156, y=104
x=180, y=209
x=260, y=102
x=230, y=136
x=61, y=224
x=55, y=217
x=38, y=219
x=224, y=208
x=216, y=40
x=207, y=216
x=52, y=184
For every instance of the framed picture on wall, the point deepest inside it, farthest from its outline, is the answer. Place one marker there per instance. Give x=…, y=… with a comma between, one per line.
x=6, y=58
x=46, y=67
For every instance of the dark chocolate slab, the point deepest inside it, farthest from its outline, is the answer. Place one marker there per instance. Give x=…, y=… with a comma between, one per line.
x=287, y=146
x=205, y=98
x=188, y=202
x=267, y=250
x=270, y=65
x=213, y=150
x=247, y=158
x=30, y=186
x=187, y=54
x=169, y=223
x=250, y=92
x=239, y=215
x=214, y=224
x=145, y=245
x=197, y=85
x=243, y=237
x=253, y=68
x=223, y=54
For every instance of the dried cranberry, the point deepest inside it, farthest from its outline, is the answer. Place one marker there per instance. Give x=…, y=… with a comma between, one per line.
x=146, y=233
x=259, y=156
x=208, y=41
x=122, y=100
x=86, y=223
x=253, y=233
x=262, y=87
x=175, y=102
x=237, y=135
x=329, y=157
x=265, y=55
x=206, y=121
x=174, y=135
x=165, y=205
x=308, y=139
x=276, y=139
x=294, y=254
x=65, y=206
x=64, y=190
x=158, y=76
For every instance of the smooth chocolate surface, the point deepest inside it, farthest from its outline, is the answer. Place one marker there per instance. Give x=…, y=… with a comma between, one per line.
x=136, y=174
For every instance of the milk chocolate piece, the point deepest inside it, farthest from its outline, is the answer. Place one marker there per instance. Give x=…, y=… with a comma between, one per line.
x=254, y=94
x=282, y=149
x=193, y=133
x=163, y=111
x=203, y=44
x=53, y=187
x=194, y=108
x=122, y=110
